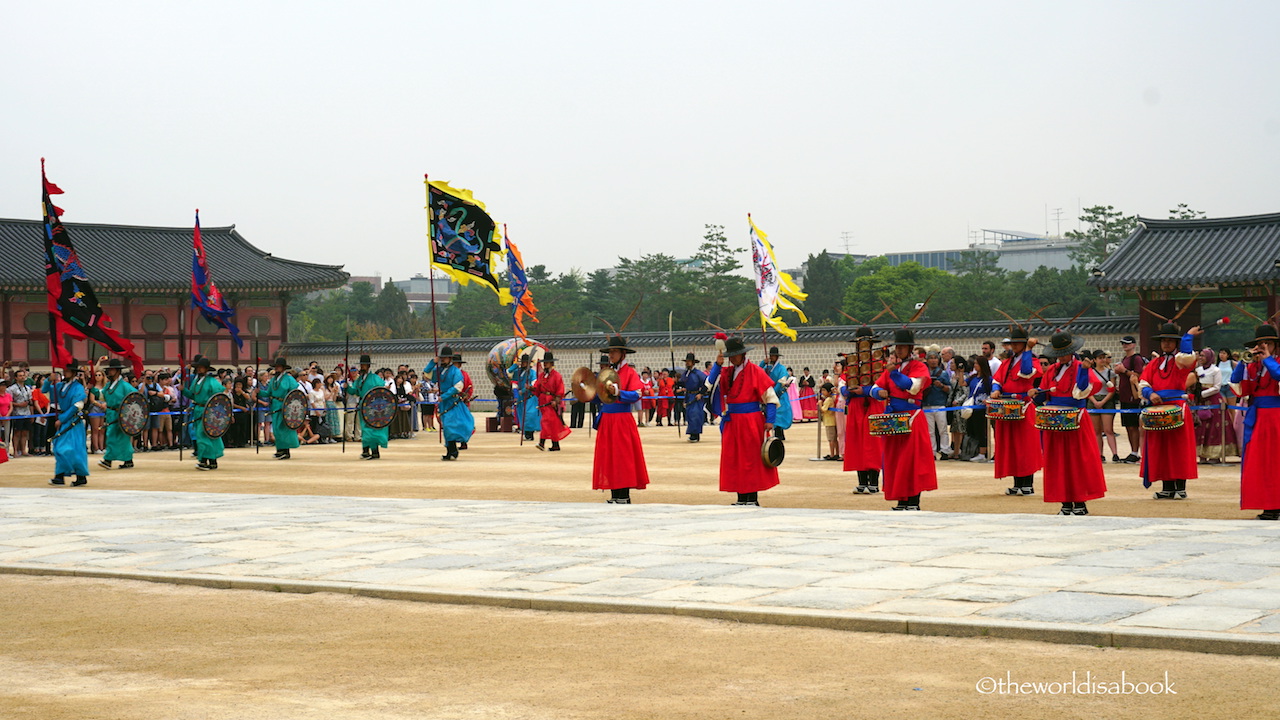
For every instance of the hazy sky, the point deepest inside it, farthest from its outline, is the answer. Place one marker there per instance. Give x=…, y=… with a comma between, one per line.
x=599, y=129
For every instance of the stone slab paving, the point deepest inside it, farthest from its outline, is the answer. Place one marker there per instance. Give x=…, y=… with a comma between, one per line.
x=1211, y=585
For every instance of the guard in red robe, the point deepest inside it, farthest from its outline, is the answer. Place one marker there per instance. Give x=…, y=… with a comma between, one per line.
x=745, y=390
x=862, y=450
x=1072, y=464
x=1170, y=455
x=907, y=459
x=550, y=390
x=1260, y=449
x=1019, y=441
x=619, y=462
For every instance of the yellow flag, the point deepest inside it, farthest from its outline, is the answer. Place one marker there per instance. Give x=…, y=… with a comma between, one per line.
x=774, y=288
x=465, y=242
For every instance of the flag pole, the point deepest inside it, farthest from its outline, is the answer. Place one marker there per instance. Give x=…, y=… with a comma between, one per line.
x=257, y=365
x=431, y=280
x=182, y=375
x=671, y=346
x=346, y=375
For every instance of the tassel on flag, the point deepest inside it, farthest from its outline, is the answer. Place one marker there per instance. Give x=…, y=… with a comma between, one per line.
x=73, y=307
x=204, y=294
x=518, y=284
x=774, y=288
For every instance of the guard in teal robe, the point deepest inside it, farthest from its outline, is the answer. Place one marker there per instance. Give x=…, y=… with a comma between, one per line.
x=371, y=438
x=199, y=389
x=70, y=455
x=456, y=420
x=522, y=379
x=281, y=384
x=119, y=443
x=778, y=372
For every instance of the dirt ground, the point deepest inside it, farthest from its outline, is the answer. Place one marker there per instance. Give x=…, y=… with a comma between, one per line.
x=81, y=648
x=78, y=648
x=497, y=467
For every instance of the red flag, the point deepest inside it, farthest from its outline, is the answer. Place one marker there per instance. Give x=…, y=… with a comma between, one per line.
x=73, y=307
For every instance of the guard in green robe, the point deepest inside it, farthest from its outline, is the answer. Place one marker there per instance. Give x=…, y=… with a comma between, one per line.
x=119, y=444
x=200, y=388
x=370, y=438
x=281, y=384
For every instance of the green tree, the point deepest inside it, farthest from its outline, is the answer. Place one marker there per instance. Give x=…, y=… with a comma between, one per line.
x=472, y=307
x=1107, y=228
x=826, y=292
x=900, y=286
x=714, y=279
x=1183, y=212
x=392, y=311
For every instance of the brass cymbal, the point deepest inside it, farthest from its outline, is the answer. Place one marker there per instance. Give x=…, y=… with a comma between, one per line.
x=583, y=384
x=606, y=376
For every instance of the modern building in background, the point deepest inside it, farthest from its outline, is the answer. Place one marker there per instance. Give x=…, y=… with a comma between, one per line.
x=418, y=289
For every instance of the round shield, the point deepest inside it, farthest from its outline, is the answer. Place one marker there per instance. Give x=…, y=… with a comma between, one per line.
x=378, y=407
x=507, y=353
x=293, y=409
x=606, y=376
x=133, y=414
x=217, y=415
x=772, y=452
x=583, y=384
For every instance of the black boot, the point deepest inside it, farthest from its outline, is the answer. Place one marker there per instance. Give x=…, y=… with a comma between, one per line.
x=127, y=464
x=542, y=444
x=1067, y=509
x=1167, y=490
x=364, y=453
x=450, y=451
x=462, y=446
x=528, y=436
x=58, y=479
x=1180, y=489
x=620, y=496
x=913, y=502
x=203, y=465
x=375, y=455
x=555, y=446
x=1264, y=515
x=780, y=433
x=80, y=480
x=104, y=464
x=902, y=505
x=213, y=464
x=863, y=487
x=752, y=499
x=1079, y=509
x=873, y=481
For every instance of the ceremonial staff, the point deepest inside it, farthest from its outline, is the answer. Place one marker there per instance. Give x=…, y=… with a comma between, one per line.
x=346, y=372
x=257, y=363
x=182, y=376
x=671, y=346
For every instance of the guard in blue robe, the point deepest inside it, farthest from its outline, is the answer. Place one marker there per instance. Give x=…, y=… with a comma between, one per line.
x=778, y=372
x=456, y=420
x=70, y=455
x=522, y=378
x=694, y=382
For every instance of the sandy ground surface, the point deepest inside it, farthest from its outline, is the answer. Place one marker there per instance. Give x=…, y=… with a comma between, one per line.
x=498, y=467
x=79, y=648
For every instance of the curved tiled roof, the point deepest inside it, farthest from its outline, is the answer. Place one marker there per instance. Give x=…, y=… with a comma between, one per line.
x=822, y=333
x=1168, y=254
x=131, y=258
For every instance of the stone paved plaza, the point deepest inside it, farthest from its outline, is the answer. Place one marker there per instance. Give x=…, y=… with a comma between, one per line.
x=1210, y=585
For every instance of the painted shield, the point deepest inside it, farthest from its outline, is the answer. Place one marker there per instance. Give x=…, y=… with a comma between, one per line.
x=217, y=415
x=505, y=354
x=293, y=409
x=378, y=407
x=133, y=414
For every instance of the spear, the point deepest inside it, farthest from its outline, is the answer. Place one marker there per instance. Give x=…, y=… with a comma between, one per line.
x=671, y=346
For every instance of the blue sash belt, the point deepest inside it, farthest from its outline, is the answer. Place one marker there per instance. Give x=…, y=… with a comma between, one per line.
x=744, y=408
x=1266, y=402
x=901, y=405
x=612, y=408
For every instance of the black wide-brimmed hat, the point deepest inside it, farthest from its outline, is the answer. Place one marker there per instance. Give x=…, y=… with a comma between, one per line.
x=773, y=352
x=366, y=360
x=617, y=342
x=690, y=357
x=1019, y=334
x=604, y=360
x=115, y=364
x=1062, y=343
x=733, y=346
x=72, y=367
x=862, y=333
x=278, y=362
x=548, y=358
x=1168, y=331
x=203, y=362
x=1263, y=332
x=446, y=351
x=457, y=359
x=904, y=336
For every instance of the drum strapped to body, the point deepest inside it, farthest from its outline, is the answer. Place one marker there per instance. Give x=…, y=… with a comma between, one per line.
x=1162, y=417
x=1050, y=417
x=134, y=414
x=1005, y=409
x=896, y=423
